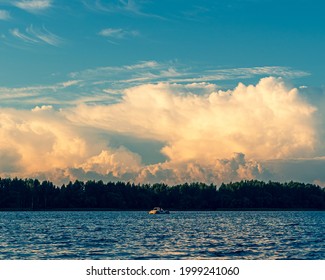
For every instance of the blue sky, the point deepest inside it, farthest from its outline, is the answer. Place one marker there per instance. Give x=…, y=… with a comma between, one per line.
x=61, y=60
x=79, y=35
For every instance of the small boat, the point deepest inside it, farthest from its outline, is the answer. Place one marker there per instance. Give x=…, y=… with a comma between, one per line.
x=158, y=210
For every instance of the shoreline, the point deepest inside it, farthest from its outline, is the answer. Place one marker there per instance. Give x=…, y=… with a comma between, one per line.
x=171, y=210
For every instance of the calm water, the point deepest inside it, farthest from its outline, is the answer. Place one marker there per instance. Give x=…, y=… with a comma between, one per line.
x=180, y=235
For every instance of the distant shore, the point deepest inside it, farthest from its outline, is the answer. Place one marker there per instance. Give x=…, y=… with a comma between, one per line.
x=171, y=210
x=32, y=195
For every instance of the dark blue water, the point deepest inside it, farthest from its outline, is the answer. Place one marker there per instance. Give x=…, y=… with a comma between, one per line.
x=180, y=235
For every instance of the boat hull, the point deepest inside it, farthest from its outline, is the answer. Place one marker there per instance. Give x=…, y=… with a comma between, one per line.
x=154, y=212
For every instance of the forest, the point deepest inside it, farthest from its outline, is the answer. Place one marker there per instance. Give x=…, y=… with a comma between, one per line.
x=31, y=194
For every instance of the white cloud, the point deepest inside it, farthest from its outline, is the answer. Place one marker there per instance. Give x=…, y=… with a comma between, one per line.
x=26, y=38
x=205, y=134
x=117, y=162
x=45, y=36
x=111, y=32
x=114, y=73
x=142, y=65
x=122, y=77
x=266, y=70
x=37, y=36
x=43, y=140
x=214, y=125
x=128, y=7
x=4, y=15
x=33, y=6
x=70, y=83
x=118, y=33
x=63, y=94
x=235, y=168
x=42, y=108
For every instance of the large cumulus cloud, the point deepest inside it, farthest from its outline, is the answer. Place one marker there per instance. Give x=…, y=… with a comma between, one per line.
x=264, y=121
x=206, y=134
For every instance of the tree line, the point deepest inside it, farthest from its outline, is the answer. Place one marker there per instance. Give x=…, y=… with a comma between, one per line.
x=31, y=194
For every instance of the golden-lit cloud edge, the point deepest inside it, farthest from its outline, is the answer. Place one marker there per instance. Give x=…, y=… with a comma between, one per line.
x=215, y=136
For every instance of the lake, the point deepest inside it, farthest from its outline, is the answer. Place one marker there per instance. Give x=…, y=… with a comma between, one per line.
x=180, y=235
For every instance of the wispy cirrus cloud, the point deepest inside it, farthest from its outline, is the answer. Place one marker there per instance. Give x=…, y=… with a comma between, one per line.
x=33, y=6
x=118, y=33
x=35, y=94
x=246, y=72
x=235, y=74
x=173, y=72
x=45, y=36
x=4, y=15
x=108, y=85
x=60, y=95
x=22, y=36
x=126, y=7
x=104, y=71
x=33, y=35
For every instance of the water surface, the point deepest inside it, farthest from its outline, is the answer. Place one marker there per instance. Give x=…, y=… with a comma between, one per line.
x=180, y=235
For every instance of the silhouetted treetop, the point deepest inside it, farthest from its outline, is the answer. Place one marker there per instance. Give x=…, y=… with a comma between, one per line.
x=31, y=194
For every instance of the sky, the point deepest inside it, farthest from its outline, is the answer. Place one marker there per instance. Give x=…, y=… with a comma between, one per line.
x=162, y=91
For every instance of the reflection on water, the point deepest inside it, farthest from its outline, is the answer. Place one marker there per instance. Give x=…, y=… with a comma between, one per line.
x=180, y=235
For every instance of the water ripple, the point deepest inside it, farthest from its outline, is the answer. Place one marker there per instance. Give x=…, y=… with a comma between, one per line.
x=180, y=235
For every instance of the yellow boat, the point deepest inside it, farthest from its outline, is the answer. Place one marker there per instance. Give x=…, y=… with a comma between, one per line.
x=158, y=210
